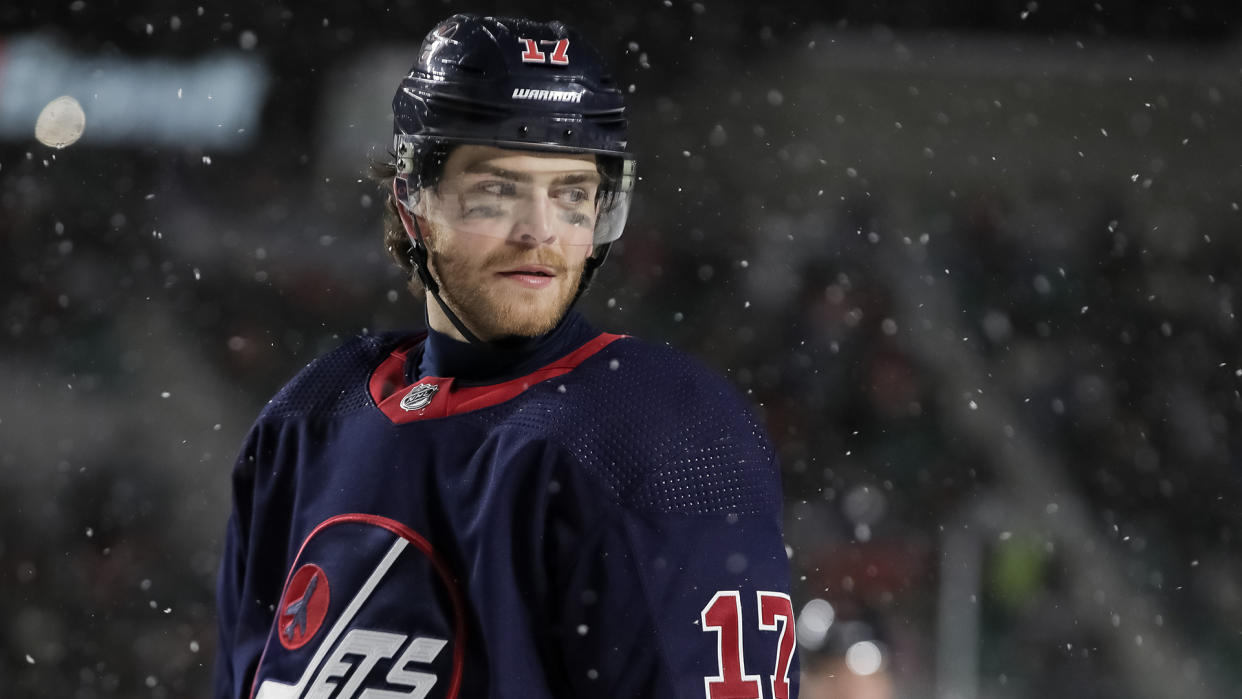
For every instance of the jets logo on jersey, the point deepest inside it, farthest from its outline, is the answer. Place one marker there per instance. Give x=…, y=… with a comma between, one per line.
x=390, y=624
x=303, y=608
x=532, y=51
x=419, y=397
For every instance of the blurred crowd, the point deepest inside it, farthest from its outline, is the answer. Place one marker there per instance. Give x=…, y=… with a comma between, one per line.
x=1005, y=399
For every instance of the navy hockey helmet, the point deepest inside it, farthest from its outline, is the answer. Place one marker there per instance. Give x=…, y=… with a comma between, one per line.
x=514, y=83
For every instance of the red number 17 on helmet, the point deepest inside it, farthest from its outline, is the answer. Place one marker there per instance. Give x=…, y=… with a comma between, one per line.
x=532, y=54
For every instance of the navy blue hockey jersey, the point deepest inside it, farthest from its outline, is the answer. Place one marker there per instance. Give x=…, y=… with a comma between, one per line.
x=602, y=521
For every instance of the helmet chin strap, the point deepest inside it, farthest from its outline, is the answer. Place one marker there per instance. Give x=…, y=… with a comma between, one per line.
x=418, y=255
x=588, y=271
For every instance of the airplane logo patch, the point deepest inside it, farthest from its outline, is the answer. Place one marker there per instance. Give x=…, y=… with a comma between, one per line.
x=304, y=606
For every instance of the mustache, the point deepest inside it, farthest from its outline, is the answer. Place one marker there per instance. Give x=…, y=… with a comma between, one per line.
x=543, y=256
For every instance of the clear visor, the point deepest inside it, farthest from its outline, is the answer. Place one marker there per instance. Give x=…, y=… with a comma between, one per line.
x=584, y=206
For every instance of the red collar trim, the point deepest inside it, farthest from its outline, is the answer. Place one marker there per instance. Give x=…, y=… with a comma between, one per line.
x=433, y=397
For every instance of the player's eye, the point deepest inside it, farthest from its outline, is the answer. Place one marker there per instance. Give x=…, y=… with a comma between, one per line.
x=574, y=196
x=487, y=199
x=496, y=188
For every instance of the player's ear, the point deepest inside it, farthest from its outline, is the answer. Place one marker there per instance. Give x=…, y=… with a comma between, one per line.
x=407, y=216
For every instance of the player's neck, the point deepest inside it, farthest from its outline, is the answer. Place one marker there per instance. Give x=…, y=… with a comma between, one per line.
x=438, y=321
x=448, y=356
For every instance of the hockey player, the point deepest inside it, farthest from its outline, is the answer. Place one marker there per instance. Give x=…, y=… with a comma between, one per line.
x=510, y=503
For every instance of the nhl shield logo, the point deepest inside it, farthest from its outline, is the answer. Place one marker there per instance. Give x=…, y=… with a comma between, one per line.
x=419, y=397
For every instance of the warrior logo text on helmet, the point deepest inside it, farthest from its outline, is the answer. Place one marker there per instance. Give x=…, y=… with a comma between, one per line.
x=522, y=93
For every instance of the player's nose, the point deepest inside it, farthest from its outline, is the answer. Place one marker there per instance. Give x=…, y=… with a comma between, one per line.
x=534, y=224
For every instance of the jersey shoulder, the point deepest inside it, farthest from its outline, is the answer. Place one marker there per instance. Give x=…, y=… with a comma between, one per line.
x=665, y=433
x=336, y=383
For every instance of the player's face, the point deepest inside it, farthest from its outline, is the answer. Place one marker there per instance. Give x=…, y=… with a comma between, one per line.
x=509, y=232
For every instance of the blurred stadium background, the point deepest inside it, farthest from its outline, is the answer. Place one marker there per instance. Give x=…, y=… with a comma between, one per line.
x=977, y=265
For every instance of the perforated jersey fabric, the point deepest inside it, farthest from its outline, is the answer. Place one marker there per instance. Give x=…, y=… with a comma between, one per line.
x=329, y=386
x=657, y=429
x=564, y=541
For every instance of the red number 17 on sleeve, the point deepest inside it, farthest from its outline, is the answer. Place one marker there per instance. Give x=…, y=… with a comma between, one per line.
x=723, y=615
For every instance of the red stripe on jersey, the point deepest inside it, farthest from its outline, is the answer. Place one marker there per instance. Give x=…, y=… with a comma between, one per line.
x=388, y=386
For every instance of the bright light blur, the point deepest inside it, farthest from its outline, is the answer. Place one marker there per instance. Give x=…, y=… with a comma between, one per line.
x=864, y=658
x=813, y=623
x=61, y=122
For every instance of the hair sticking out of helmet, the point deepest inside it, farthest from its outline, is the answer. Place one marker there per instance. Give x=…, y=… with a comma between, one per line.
x=513, y=83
